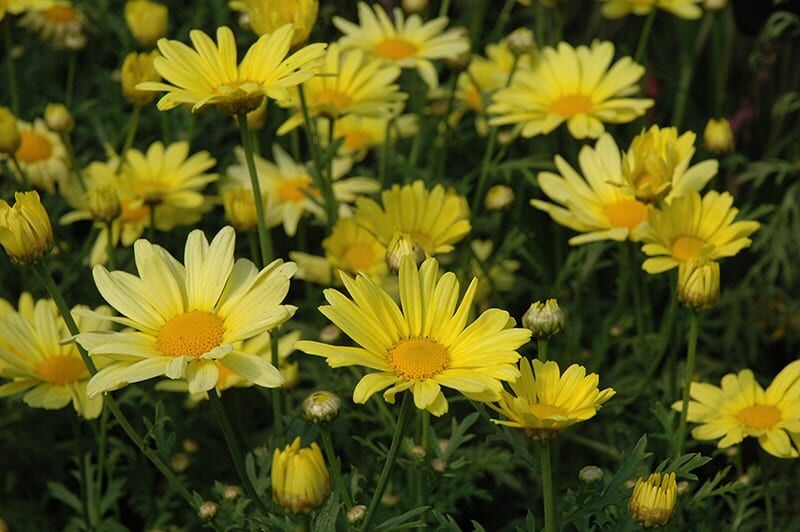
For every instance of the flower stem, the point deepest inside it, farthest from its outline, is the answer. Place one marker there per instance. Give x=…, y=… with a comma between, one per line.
x=324, y=183
x=12, y=73
x=687, y=382
x=644, y=37
x=276, y=392
x=87, y=516
x=400, y=428
x=547, y=487
x=70, y=86
x=330, y=454
x=687, y=71
x=71, y=160
x=235, y=451
x=151, y=230
x=22, y=175
x=542, y=344
x=133, y=125
x=264, y=237
x=633, y=272
x=157, y=461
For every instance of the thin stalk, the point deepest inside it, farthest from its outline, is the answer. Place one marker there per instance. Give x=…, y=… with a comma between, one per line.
x=383, y=480
x=502, y=19
x=444, y=8
x=384, y=155
x=767, y=494
x=52, y=288
x=336, y=468
x=687, y=382
x=76, y=430
x=264, y=237
x=101, y=454
x=542, y=344
x=234, y=449
x=22, y=175
x=276, y=392
x=644, y=37
x=12, y=72
x=133, y=125
x=69, y=89
x=71, y=160
x=112, y=263
x=687, y=71
x=547, y=487
x=252, y=243
x=325, y=185
x=330, y=201
x=633, y=271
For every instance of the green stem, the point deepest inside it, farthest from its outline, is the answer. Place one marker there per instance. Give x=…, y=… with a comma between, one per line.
x=22, y=175
x=12, y=73
x=101, y=455
x=644, y=37
x=687, y=71
x=133, y=125
x=330, y=200
x=276, y=392
x=71, y=160
x=444, y=8
x=767, y=493
x=547, y=487
x=235, y=451
x=336, y=467
x=633, y=271
x=687, y=382
x=151, y=230
x=264, y=237
x=542, y=344
x=384, y=156
x=52, y=288
x=76, y=430
x=71, y=65
x=325, y=185
x=383, y=480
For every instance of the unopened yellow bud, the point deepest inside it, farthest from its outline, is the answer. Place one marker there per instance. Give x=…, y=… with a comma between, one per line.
x=138, y=68
x=321, y=406
x=207, y=510
x=147, y=21
x=698, y=283
x=499, y=197
x=266, y=16
x=25, y=230
x=401, y=245
x=543, y=319
x=718, y=136
x=290, y=371
x=414, y=6
x=103, y=202
x=652, y=502
x=240, y=209
x=300, y=480
x=521, y=41
x=9, y=132
x=58, y=118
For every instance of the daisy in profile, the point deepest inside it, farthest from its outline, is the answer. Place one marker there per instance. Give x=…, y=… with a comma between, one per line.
x=408, y=43
x=424, y=343
x=185, y=319
x=360, y=134
x=741, y=408
x=51, y=374
x=572, y=85
x=435, y=219
x=60, y=23
x=41, y=155
x=209, y=75
x=688, y=9
x=349, y=83
x=289, y=189
x=691, y=227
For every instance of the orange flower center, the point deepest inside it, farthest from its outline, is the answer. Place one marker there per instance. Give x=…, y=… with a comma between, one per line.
x=296, y=189
x=626, y=213
x=356, y=139
x=224, y=376
x=33, y=147
x=339, y=101
x=759, y=417
x=190, y=334
x=359, y=257
x=60, y=14
x=571, y=105
x=543, y=411
x=395, y=49
x=473, y=100
x=134, y=214
x=62, y=369
x=687, y=247
x=418, y=358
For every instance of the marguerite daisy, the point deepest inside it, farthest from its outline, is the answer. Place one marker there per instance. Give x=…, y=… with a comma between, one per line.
x=41, y=156
x=688, y=9
x=60, y=23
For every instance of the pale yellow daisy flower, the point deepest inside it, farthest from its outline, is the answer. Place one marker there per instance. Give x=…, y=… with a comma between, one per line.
x=688, y=9
x=41, y=156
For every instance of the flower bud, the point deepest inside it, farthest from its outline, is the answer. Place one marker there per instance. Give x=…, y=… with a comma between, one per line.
x=356, y=514
x=266, y=16
x=543, y=319
x=231, y=493
x=25, y=230
x=499, y=197
x=683, y=487
x=590, y=474
x=414, y=6
x=417, y=453
x=138, y=68
x=180, y=462
x=330, y=333
x=321, y=406
x=401, y=245
x=190, y=445
x=300, y=480
x=103, y=202
x=438, y=465
x=10, y=138
x=58, y=118
x=240, y=209
x=715, y=5
x=652, y=502
x=147, y=21
x=698, y=283
x=207, y=510
x=718, y=136
x=521, y=41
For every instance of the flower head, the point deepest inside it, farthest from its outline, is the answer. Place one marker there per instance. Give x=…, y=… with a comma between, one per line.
x=359, y=134
x=300, y=479
x=545, y=402
x=58, y=118
x=426, y=345
x=653, y=500
x=266, y=16
x=146, y=20
x=688, y=9
x=742, y=408
x=572, y=85
x=59, y=22
x=138, y=68
x=41, y=155
x=698, y=283
x=321, y=406
x=718, y=136
x=25, y=230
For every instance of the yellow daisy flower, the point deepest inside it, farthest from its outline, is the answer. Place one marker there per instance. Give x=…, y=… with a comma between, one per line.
x=61, y=24
x=360, y=134
x=266, y=16
x=689, y=227
x=209, y=74
x=424, y=346
x=572, y=85
x=186, y=318
x=41, y=155
x=409, y=43
x=545, y=402
x=289, y=190
x=436, y=219
x=51, y=374
x=688, y=9
x=15, y=7
x=350, y=248
x=350, y=83
x=742, y=408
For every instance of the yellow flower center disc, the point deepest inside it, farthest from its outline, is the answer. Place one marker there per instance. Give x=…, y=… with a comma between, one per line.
x=418, y=358
x=338, y=100
x=759, y=416
x=60, y=14
x=626, y=213
x=296, y=189
x=356, y=140
x=359, y=257
x=571, y=105
x=191, y=334
x=62, y=369
x=687, y=247
x=395, y=49
x=134, y=214
x=33, y=147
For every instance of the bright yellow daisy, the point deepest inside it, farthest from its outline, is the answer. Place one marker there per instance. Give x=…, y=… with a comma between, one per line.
x=426, y=345
x=690, y=227
x=61, y=24
x=408, y=43
x=742, y=408
x=572, y=85
x=209, y=75
x=349, y=83
x=436, y=219
x=359, y=134
x=51, y=373
x=266, y=16
x=545, y=402
x=183, y=319
x=688, y=9
x=41, y=156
